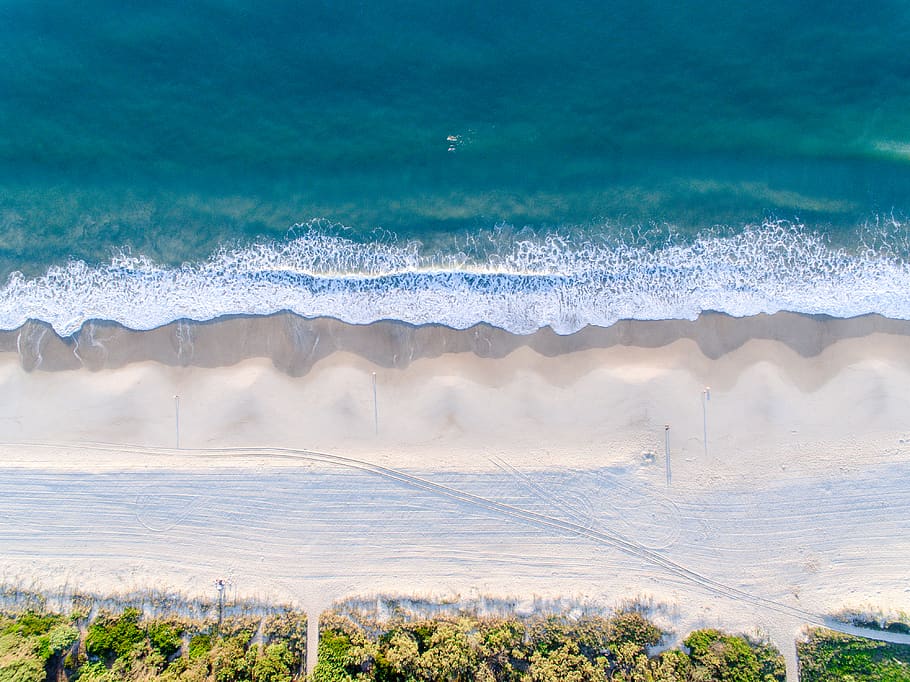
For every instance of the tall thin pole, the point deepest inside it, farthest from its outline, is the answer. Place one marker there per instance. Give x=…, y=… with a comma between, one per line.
x=375, y=408
x=667, y=449
x=705, y=397
x=219, y=585
x=177, y=419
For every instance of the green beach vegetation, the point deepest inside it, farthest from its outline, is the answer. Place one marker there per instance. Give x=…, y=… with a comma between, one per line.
x=536, y=649
x=828, y=656
x=402, y=640
x=128, y=647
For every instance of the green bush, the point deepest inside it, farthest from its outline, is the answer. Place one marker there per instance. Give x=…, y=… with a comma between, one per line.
x=632, y=627
x=28, y=643
x=111, y=638
x=565, y=664
x=23, y=670
x=58, y=640
x=30, y=623
x=200, y=646
x=95, y=672
x=274, y=664
x=831, y=656
x=35, y=647
x=503, y=650
x=333, y=662
x=165, y=638
x=229, y=659
x=724, y=657
x=555, y=649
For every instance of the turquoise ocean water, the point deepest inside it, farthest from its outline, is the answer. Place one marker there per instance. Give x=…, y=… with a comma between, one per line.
x=519, y=163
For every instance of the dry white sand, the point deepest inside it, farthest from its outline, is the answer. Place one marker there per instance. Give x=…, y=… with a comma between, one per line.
x=796, y=507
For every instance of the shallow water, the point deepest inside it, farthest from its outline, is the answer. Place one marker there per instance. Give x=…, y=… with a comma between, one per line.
x=174, y=131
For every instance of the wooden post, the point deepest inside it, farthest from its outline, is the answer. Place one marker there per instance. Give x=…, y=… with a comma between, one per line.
x=219, y=585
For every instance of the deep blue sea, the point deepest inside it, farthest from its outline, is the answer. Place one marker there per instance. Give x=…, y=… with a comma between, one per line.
x=526, y=164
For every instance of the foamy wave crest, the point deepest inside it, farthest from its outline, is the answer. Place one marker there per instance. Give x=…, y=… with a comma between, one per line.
x=524, y=285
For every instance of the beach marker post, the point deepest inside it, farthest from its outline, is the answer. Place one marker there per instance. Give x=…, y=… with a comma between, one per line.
x=219, y=585
x=705, y=398
x=177, y=419
x=375, y=408
x=667, y=449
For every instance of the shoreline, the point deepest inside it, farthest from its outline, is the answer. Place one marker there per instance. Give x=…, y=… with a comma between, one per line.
x=295, y=344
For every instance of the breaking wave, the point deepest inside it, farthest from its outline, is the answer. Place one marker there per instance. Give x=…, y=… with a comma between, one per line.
x=521, y=285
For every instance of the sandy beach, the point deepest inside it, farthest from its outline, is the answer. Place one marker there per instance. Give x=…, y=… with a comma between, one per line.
x=489, y=463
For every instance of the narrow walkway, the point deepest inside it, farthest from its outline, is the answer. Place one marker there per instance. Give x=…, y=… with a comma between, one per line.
x=312, y=641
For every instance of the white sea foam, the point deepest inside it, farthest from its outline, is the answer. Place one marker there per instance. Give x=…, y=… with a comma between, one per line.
x=523, y=286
